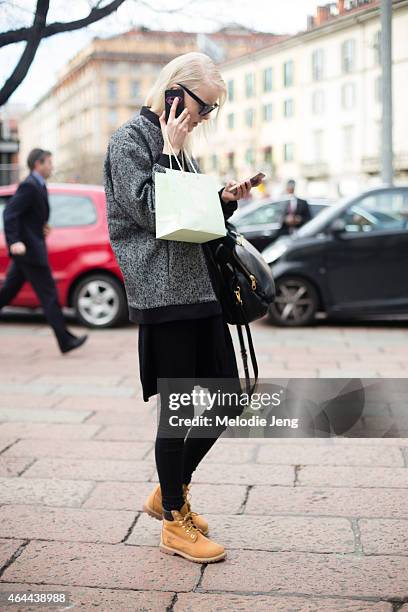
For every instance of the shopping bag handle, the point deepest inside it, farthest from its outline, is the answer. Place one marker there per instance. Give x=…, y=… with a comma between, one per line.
x=183, y=152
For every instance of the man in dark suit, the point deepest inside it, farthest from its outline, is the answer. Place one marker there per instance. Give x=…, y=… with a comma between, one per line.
x=296, y=213
x=25, y=225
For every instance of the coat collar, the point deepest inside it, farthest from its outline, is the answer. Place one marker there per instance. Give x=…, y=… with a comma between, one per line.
x=145, y=111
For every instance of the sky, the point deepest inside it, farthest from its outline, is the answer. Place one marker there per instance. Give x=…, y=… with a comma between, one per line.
x=276, y=16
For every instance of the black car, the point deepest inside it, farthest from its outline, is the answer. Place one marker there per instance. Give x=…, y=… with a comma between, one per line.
x=260, y=221
x=352, y=259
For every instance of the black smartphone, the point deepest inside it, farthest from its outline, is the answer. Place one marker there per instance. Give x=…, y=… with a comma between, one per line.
x=255, y=181
x=169, y=96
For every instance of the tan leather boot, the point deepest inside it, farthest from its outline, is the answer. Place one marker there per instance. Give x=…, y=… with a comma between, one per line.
x=179, y=536
x=153, y=507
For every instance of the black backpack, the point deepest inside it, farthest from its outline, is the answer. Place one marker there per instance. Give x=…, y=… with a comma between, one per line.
x=245, y=285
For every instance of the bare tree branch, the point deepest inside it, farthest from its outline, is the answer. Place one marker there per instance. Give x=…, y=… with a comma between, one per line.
x=96, y=13
x=33, y=41
x=39, y=30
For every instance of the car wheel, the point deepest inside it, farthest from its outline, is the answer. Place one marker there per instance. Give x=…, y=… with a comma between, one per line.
x=100, y=301
x=296, y=302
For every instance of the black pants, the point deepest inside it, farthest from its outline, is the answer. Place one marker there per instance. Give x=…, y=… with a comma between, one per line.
x=41, y=280
x=188, y=349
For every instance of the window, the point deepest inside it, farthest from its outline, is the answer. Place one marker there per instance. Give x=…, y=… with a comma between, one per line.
x=382, y=211
x=318, y=145
x=318, y=102
x=348, y=143
x=230, y=121
x=348, y=95
x=348, y=53
x=68, y=210
x=112, y=89
x=268, y=155
x=249, y=156
x=267, y=79
x=249, y=117
x=134, y=89
x=231, y=161
x=288, y=73
x=288, y=107
x=288, y=152
x=378, y=89
x=317, y=64
x=3, y=202
x=377, y=48
x=112, y=116
x=267, y=112
x=214, y=161
x=124, y=67
x=230, y=88
x=249, y=84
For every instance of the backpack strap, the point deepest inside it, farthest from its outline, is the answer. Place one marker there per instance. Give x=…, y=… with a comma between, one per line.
x=249, y=389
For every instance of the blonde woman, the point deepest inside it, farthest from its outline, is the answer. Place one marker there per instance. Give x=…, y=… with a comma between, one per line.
x=170, y=286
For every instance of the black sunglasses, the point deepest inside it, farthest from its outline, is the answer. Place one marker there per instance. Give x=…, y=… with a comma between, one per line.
x=204, y=107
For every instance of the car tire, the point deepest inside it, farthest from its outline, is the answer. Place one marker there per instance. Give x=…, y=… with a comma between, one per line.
x=99, y=301
x=290, y=311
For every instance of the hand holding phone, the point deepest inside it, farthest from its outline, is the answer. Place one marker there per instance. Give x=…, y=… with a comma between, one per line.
x=175, y=127
x=254, y=180
x=169, y=96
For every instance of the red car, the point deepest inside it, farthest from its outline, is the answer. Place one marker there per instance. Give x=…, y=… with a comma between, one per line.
x=84, y=267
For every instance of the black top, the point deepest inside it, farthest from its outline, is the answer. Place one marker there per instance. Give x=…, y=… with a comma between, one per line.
x=181, y=311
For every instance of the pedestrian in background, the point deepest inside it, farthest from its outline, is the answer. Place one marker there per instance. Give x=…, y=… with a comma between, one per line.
x=25, y=219
x=296, y=213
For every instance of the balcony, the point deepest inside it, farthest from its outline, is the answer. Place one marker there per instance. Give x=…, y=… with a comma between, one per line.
x=372, y=165
x=9, y=146
x=9, y=173
x=315, y=170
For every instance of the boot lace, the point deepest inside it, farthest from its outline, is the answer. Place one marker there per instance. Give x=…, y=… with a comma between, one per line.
x=187, y=498
x=187, y=523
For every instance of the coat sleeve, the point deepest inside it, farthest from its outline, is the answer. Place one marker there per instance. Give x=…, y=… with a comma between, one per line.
x=14, y=211
x=228, y=208
x=129, y=175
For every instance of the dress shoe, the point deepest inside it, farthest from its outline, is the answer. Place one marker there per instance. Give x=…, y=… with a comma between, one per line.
x=73, y=344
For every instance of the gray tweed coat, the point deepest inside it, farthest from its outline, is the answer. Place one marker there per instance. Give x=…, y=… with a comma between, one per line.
x=164, y=279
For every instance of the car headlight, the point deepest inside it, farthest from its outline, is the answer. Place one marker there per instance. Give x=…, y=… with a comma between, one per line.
x=274, y=251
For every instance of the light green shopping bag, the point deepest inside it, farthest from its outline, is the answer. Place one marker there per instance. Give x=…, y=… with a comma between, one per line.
x=188, y=207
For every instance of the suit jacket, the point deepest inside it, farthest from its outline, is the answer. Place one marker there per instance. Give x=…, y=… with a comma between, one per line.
x=302, y=209
x=24, y=217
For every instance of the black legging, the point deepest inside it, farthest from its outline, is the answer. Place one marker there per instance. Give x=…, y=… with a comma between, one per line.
x=190, y=349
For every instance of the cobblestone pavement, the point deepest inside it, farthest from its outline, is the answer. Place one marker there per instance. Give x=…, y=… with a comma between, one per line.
x=309, y=524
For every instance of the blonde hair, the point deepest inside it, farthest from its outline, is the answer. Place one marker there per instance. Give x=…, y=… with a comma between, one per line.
x=193, y=70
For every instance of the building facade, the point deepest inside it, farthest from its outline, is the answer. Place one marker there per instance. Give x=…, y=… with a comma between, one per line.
x=309, y=106
x=10, y=142
x=105, y=84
